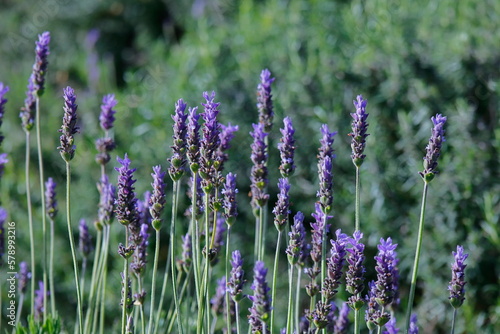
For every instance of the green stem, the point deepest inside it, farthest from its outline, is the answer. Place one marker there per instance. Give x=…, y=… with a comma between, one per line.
x=261, y=234
x=51, y=269
x=275, y=274
x=19, y=310
x=228, y=308
x=323, y=254
x=289, y=319
x=72, y=245
x=358, y=196
x=93, y=279
x=453, y=320
x=417, y=257
x=356, y=322
x=153, y=280
x=173, y=242
x=30, y=222
x=163, y=292
x=297, y=299
x=237, y=312
x=195, y=235
x=102, y=314
x=258, y=239
x=125, y=286
x=172, y=314
x=141, y=307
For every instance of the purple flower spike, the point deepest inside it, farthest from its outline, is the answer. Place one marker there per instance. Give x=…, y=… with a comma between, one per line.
x=390, y=327
x=356, y=270
x=261, y=302
x=39, y=301
x=236, y=278
x=187, y=253
x=107, y=199
x=287, y=148
x=230, y=205
x=325, y=158
x=41, y=62
x=68, y=128
x=457, y=283
x=433, y=148
x=27, y=113
x=85, y=238
x=282, y=208
x=107, y=118
x=3, y=90
x=342, y=322
x=218, y=239
x=264, y=101
x=259, y=168
x=374, y=316
x=193, y=139
x=3, y=218
x=358, y=134
x=210, y=142
x=140, y=255
x=24, y=277
x=3, y=162
x=126, y=201
x=335, y=264
x=413, y=324
x=320, y=315
x=226, y=135
x=386, y=260
x=297, y=244
x=50, y=198
x=218, y=301
x=178, y=160
x=157, y=200
x=318, y=229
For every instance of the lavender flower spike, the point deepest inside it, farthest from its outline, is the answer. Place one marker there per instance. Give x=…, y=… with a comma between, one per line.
x=3, y=161
x=27, y=113
x=187, y=253
x=230, y=205
x=390, y=327
x=178, y=160
x=193, y=139
x=317, y=232
x=433, y=148
x=296, y=245
x=3, y=218
x=50, y=198
x=85, y=238
x=68, y=128
x=236, y=277
x=356, y=270
x=282, y=208
x=413, y=324
x=325, y=158
x=41, y=63
x=24, y=276
x=157, y=200
x=259, y=169
x=261, y=302
x=107, y=118
x=264, y=101
x=457, y=283
x=226, y=135
x=140, y=255
x=342, y=322
x=210, y=141
x=335, y=264
x=107, y=193
x=126, y=201
x=358, y=134
x=3, y=90
x=386, y=259
x=39, y=301
x=217, y=300
x=287, y=148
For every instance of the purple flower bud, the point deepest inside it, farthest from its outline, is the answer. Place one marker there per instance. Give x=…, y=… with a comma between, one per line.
x=297, y=244
x=39, y=301
x=356, y=270
x=342, y=322
x=85, y=238
x=386, y=260
x=3, y=162
x=126, y=201
x=68, y=128
x=193, y=139
x=264, y=101
x=129, y=302
x=140, y=255
x=41, y=62
x=318, y=228
x=236, y=277
x=3, y=218
x=104, y=146
x=178, y=160
x=287, y=148
x=319, y=316
x=390, y=327
x=282, y=207
x=210, y=141
x=3, y=90
x=261, y=302
x=413, y=324
x=433, y=148
x=218, y=300
x=107, y=118
x=23, y=277
x=107, y=199
x=157, y=200
x=27, y=113
x=457, y=283
x=325, y=158
x=358, y=134
x=335, y=265
x=259, y=168
x=226, y=135
x=230, y=205
x=50, y=198
x=374, y=316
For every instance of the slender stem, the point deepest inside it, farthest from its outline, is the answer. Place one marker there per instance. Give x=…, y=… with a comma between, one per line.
x=173, y=239
x=261, y=233
x=275, y=275
x=228, y=308
x=181, y=297
x=258, y=239
x=141, y=307
x=72, y=245
x=102, y=315
x=30, y=222
x=358, y=196
x=153, y=280
x=163, y=291
x=453, y=321
x=195, y=236
x=237, y=311
x=51, y=269
x=19, y=310
x=297, y=299
x=125, y=286
x=356, y=322
x=417, y=257
x=93, y=279
x=323, y=254
x=289, y=319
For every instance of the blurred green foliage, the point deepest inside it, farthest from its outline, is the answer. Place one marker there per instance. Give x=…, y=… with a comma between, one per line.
x=409, y=60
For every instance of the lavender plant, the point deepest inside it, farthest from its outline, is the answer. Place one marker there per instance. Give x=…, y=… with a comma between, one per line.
x=355, y=277
x=261, y=303
x=457, y=283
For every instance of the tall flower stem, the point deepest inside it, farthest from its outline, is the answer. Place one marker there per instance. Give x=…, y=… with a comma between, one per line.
x=453, y=321
x=275, y=275
x=358, y=195
x=173, y=243
x=72, y=245
x=153, y=280
x=30, y=222
x=102, y=314
x=356, y=321
x=289, y=319
x=261, y=234
x=51, y=269
x=417, y=257
x=226, y=263
x=163, y=292
x=42, y=191
x=125, y=287
x=297, y=298
x=96, y=267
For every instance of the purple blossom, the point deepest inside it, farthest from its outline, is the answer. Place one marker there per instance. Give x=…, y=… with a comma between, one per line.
x=390, y=327
x=218, y=300
x=3, y=162
x=140, y=255
x=210, y=141
x=318, y=229
x=157, y=200
x=374, y=316
x=178, y=160
x=342, y=321
x=85, y=240
x=68, y=128
x=107, y=197
x=260, y=311
x=319, y=316
x=50, y=198
x=259, y=168
x=325, y=158
x=187, y=253
x=282, y=207
x=27, y=113
x=3, y=90
x=39, y=301
x=395, y=283
x=264, y=101
x=3, y=218
x=126, y=201
x=41, y=62
x=193, y=139
x=129, y=302
x=413, y=324
x=457, y=283
x=297, y=244
x=104, y=146
x=356, y=270
x=386, y=259
x=287, y=148
x=24, y=277
x=107, y=118
x=433, y=148
x=358, y=134
x=335, y=265
x=236, y=277
x=226, y=135
x=230, y=205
